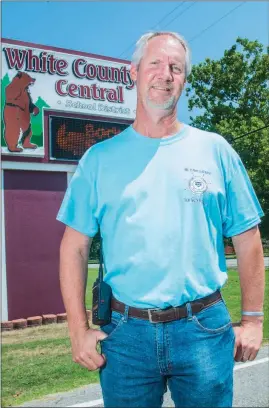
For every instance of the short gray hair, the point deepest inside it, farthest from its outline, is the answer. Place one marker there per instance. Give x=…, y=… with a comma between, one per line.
x=143, y=41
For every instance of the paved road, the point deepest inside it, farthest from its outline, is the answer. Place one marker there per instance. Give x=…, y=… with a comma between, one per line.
x=231, y=263
x=251, y=386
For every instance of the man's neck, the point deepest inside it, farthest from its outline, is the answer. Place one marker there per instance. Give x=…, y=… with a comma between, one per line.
x=156, y=124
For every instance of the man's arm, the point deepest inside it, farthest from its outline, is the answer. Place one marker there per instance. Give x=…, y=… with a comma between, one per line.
x=74, y=253
x=249, y=251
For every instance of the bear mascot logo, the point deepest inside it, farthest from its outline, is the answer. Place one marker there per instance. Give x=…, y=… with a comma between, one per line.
x=17, y=113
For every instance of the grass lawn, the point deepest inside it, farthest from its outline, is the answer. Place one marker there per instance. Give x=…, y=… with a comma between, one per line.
x=37, y=362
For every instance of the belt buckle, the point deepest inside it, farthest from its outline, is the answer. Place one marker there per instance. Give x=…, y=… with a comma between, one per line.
x=150, y=316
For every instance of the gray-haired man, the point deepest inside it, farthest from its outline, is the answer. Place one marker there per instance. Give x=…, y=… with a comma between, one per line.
x=164, y=194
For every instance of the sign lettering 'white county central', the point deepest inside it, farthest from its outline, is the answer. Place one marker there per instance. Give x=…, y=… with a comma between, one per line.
x=35, y=78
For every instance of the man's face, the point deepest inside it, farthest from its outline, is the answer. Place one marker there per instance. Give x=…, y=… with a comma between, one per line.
x=160, y=76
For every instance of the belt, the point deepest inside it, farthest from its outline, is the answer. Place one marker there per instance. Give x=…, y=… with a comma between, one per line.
x=169, y=314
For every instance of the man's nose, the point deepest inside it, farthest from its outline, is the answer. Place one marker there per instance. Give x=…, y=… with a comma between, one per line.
x=166, y=72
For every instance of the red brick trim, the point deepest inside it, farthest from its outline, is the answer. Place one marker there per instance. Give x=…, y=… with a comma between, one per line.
x=6, y=326
x=61, y=317
x=49, y=318
x=19, y=323
x=35, y=321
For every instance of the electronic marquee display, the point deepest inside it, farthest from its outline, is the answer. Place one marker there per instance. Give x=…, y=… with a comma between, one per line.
x=71, y=137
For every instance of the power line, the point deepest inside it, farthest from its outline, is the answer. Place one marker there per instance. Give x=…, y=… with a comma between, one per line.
x=160, y=21
x=168, y=14
x=216, y=22
x=187, y=8
x=180, y=14
x=249, y=133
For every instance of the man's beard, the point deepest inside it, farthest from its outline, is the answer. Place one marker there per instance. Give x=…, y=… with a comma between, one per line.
x=166, y=105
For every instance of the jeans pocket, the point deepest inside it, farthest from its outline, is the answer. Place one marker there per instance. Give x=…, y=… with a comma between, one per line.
x=111, y=328
x=213, y=319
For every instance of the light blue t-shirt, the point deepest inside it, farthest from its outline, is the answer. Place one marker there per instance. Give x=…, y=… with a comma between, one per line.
x=163, y=207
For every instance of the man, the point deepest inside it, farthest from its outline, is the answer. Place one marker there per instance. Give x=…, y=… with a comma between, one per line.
x=164, y=194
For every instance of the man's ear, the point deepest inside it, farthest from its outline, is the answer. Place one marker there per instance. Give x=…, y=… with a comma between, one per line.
x=133, y=72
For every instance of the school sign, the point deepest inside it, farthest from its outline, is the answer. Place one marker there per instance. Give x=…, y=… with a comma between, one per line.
x=36, y=78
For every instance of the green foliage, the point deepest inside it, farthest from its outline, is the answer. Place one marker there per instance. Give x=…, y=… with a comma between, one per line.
x=95, y=248
x=233, y=95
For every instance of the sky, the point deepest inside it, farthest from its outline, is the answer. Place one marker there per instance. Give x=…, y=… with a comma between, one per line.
x=112, y=28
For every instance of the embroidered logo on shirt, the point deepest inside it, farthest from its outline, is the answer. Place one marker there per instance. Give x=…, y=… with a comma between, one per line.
x=198, y=185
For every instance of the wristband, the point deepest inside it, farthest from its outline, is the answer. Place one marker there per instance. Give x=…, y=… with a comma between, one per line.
x=252, y=313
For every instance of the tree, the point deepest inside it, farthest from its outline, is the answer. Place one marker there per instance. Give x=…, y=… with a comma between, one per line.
x=95, y=248
x=233, y=96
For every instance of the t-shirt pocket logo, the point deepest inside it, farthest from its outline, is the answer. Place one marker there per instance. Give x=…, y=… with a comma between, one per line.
x=198, y=185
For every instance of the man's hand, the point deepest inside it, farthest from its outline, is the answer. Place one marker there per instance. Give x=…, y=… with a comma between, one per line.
x=248, y=340
x=84, y=349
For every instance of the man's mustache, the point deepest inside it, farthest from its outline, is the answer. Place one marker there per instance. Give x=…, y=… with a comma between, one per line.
x=162, y=85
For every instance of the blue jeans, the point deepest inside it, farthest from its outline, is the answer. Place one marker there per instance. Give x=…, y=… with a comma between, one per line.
x=193, y=356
